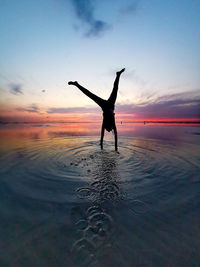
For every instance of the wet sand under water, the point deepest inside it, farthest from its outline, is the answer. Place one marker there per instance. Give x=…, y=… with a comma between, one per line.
x=64, y=202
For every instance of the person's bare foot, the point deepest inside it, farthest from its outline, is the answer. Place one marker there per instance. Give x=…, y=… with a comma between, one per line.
x=120, y=72
x=73, y=83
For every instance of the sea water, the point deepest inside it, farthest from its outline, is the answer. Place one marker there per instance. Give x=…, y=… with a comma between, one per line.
x=66, y=202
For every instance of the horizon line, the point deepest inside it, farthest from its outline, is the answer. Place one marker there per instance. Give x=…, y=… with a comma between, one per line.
x=136, y=121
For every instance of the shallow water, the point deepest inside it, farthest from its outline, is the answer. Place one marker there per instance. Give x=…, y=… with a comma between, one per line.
x=64, y=202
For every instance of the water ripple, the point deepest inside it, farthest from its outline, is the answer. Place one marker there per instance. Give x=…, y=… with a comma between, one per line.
x=148, y=184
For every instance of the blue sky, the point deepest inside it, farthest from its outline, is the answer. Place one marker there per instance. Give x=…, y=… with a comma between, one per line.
x=45, y=43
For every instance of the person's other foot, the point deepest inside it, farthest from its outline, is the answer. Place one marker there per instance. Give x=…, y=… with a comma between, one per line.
x=72, y=83
x=120, y=72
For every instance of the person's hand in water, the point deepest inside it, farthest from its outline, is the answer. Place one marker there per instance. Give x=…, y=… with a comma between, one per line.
x=120, y=72
x=73, y=83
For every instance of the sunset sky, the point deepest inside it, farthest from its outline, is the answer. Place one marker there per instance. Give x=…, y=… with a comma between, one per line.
x=46, y=43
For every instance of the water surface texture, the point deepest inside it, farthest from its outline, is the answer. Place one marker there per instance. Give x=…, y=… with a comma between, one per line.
x=64, y=202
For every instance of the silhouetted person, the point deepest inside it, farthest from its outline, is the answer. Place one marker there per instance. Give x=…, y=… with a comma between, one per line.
x=107, y=106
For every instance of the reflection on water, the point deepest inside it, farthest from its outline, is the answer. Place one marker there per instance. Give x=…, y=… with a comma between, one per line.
x=64, y=202
x=96, y=227
x=96, y=223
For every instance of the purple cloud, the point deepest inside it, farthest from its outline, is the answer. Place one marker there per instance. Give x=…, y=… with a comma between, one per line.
x=16, y=89
x=85, y=12
x=72, y=110
x=129, y=9
x=32, y=109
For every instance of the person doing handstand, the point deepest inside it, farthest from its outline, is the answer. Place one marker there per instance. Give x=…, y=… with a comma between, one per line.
x=108, y=107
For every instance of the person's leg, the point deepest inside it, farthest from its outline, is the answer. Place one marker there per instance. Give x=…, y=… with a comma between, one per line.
x=94, y=97
x=113, y=95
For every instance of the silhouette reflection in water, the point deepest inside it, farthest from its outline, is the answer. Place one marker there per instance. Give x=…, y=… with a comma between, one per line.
x=108, y=107
x=95, y=225
x=95, y=222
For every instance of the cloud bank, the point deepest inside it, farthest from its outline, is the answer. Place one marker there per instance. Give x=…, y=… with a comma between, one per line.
x=165, y=109
x=182, y=105
x=169, y=106
x=176, y=106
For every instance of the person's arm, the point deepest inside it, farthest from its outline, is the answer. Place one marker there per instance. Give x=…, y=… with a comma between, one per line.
x=115, y=132
x=102, y=135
